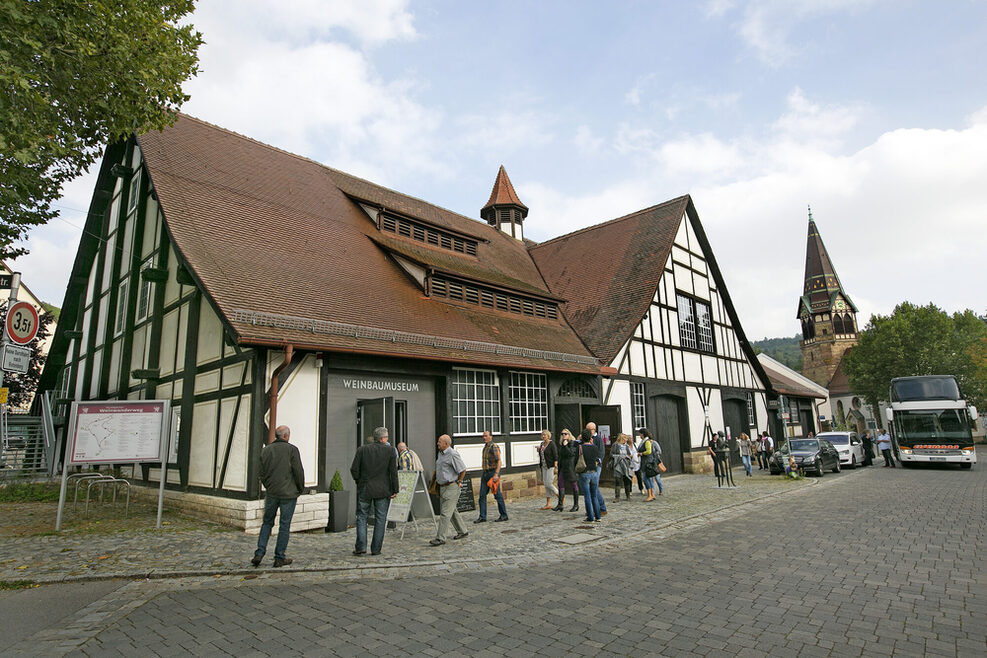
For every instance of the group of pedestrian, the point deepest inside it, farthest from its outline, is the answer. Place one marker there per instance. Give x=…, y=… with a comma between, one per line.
x=763, y=447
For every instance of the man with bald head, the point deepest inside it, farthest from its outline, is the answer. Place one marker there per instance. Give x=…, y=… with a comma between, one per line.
x=283, y=478
x=450, y=469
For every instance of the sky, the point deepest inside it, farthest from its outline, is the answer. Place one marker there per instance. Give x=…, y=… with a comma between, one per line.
x=874, y=112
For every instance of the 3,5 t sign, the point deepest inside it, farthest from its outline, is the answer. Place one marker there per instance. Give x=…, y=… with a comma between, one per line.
x=22, y=323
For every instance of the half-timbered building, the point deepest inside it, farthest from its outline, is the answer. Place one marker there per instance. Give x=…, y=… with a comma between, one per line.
x=645, y=294
x=253, y=287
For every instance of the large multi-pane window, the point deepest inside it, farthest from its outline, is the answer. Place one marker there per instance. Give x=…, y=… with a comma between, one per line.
x=637, y=401
x=476, y=401
x=528, y=402
x=695, y=324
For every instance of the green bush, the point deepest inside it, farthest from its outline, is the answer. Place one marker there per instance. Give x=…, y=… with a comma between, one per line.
x=336, y=484
x=28, y=492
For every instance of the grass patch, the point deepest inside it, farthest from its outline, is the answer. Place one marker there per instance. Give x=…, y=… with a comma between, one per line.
x=29, y=492
x=16, y=584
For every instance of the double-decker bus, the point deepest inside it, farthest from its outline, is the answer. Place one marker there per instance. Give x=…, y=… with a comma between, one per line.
x=931, y=421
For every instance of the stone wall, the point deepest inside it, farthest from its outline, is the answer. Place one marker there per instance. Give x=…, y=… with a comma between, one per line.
x=697, y=461
x=820, y=357
x=311, y=510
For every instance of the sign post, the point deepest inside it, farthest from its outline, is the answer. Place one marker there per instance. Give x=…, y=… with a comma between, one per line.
x=13, y=284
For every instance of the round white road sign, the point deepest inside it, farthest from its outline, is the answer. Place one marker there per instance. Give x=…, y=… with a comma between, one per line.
x=22, y=323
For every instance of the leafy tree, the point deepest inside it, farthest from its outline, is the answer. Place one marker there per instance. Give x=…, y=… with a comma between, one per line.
x=75, y=75
x=919, y=340
x=23, y=385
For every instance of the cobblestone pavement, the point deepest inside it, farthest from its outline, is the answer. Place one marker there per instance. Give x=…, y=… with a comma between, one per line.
x=206, y=549
x=873, y=562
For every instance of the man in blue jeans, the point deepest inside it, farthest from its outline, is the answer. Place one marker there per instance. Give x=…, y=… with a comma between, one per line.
x=491, y=474
x=284, y=479
x=375, y=471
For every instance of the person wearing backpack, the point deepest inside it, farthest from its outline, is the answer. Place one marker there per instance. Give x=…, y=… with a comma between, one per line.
x=649, y=461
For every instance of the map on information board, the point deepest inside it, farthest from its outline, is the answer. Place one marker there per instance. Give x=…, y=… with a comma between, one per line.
x=117, y=431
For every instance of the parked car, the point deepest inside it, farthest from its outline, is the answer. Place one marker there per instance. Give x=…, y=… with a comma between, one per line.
x=851, y=448
x=811, y=455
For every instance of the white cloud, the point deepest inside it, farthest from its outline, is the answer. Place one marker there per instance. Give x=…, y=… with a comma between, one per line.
x=505, y=131
x=902, y=217
x=766, y=26
x=587, y=141
x=370, y=22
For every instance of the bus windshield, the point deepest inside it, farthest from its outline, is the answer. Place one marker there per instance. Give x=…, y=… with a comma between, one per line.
x=933, y=424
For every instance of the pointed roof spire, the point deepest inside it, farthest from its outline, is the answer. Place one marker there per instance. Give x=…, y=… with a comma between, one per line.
x=503, y=193
x=821, y=281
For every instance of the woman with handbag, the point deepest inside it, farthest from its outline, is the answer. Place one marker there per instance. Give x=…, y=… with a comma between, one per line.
x=649, y=462
x=589, y=474
x=567, y=470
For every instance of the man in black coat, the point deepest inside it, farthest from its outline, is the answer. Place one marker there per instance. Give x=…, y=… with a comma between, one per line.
x=284, y=479
x=375, y=471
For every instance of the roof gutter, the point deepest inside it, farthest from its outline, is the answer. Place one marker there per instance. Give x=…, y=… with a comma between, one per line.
x=289, y=348
x=322, y=347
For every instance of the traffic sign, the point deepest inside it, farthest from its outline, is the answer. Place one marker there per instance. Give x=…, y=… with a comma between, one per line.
x=3, y=395
x=6, y=280
x=14, y=358
x=22, y=323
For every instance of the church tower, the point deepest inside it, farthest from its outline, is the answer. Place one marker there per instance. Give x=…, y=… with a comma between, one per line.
x=504, y=210
x=829, y=318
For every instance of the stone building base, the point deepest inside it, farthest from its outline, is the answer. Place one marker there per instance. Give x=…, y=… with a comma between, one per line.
x=697, y=461
x=515, y=486
x=311, y=511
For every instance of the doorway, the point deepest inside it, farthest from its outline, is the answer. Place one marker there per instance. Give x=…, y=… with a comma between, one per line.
x=669, y=432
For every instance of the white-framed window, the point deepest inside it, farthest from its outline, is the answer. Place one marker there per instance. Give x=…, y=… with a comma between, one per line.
x=475, y=401
x=135, y=185
x=687, y=323
x=695, y=324
x=637, y=403
x=63, y=389
x=751, y=414
x=528, y=402
x=121, y=308
x=146, y=294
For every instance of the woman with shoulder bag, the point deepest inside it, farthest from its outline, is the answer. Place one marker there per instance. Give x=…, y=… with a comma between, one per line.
x=648, y=465
x=589, y=474
x=659, y=466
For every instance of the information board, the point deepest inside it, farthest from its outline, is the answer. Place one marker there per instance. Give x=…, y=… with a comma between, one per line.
x=466, y=502
x=117, y=431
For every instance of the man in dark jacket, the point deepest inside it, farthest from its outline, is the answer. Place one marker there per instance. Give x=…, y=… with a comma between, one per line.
x=282, y=476
x=375, y=471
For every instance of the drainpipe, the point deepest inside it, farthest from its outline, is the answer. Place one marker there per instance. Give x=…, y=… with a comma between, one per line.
x=273, y=423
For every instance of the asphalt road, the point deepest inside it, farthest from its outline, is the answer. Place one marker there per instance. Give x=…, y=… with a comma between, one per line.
x=873, y=562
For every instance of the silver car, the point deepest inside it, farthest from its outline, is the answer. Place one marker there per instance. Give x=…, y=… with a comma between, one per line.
x=850, y=447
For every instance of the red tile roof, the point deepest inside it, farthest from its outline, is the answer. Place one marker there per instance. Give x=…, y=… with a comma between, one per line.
x=265, y=230
x=503, y=192
x=609, y=273
x=839, y=383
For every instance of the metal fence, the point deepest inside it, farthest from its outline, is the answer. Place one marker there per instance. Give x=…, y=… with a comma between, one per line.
x=27, y=444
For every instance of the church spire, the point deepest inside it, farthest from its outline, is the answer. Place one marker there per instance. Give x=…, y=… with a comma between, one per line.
x=504, y=209
x=828, y=316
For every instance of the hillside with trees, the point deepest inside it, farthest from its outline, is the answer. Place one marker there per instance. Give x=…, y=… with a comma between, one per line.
x=783, y=350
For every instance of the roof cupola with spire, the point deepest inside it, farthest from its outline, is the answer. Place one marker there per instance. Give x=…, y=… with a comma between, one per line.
x=504, y=210
x=827, y=314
